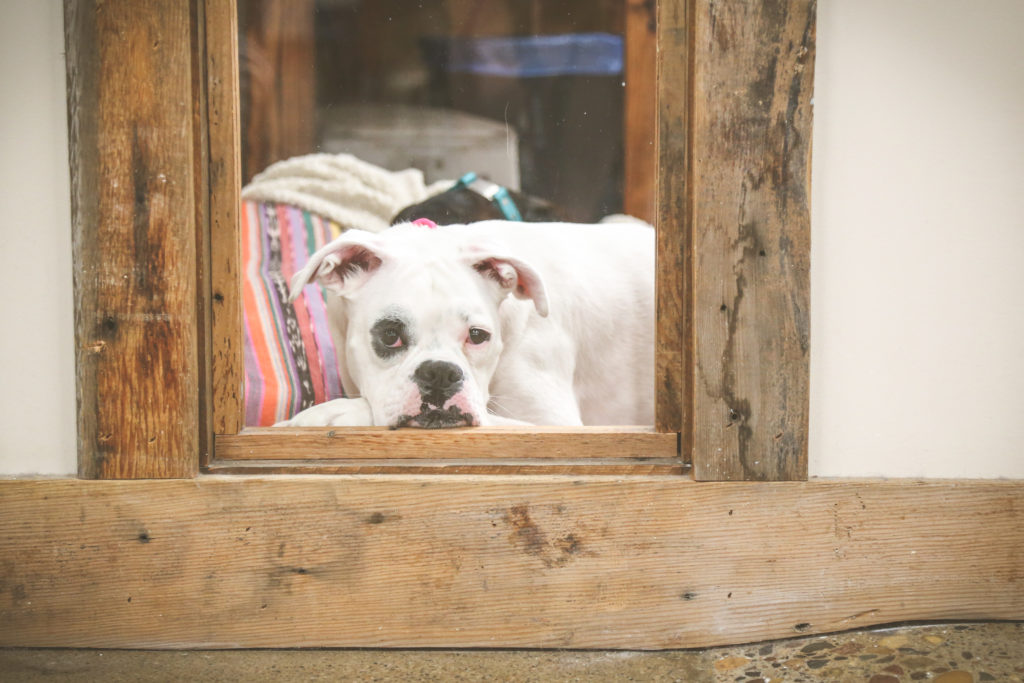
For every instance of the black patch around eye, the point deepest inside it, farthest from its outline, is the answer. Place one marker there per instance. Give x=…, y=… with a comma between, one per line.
x=389, y=337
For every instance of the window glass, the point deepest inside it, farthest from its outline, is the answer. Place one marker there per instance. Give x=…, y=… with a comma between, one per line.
x=529, y=94
x=353, y=110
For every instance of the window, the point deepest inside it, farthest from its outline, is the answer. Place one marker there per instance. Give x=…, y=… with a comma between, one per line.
x=328, y=104
x=732, y=218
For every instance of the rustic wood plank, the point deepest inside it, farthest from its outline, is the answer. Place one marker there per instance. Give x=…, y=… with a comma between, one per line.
x=640, y=116
x=619, y=467
x=224, y=186
x=753, y=79
x=134, y=242
x=673, y=341
x=577, y=562
x=374, y=443
x=201, y=194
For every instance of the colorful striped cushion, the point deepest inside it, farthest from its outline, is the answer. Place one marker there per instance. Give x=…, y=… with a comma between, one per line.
x=290, y=359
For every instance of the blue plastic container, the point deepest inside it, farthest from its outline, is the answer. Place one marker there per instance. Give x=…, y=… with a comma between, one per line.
x=579, y=54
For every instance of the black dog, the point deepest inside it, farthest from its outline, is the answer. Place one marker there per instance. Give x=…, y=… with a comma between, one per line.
x=474, y=199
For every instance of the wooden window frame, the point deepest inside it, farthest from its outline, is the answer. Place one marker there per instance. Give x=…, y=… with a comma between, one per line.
x=749, y=418
x=145, y=551
x=238, y=449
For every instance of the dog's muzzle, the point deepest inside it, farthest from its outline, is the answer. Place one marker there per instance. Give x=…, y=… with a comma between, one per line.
x=438, y=382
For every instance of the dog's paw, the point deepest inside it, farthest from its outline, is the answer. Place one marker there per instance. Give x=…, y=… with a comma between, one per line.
x=341, y=412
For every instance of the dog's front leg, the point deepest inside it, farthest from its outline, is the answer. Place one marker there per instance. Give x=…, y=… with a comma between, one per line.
x=341, y=412
x=492, y=420
x=546, y=402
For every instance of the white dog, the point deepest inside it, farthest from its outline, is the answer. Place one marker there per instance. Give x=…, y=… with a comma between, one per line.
x=432, y=338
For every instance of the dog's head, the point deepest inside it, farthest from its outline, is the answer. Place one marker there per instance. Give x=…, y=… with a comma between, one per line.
x=459, y=205
x=417, y=310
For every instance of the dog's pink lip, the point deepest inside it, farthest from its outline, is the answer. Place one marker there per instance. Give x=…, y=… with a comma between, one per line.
x=454, y=413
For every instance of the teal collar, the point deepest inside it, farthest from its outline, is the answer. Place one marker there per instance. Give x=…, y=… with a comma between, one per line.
x=492, y=192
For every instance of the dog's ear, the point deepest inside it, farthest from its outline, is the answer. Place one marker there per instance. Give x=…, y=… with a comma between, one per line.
x=341, y=266
x=514, y=276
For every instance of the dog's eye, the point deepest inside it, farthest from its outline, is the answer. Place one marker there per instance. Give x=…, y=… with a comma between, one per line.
x=391, y=337
x=478, y=336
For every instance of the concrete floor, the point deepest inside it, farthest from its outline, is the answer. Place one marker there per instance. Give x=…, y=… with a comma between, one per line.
x=948, y=653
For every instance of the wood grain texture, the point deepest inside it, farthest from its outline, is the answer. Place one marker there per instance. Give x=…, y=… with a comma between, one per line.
x=619, y=467
x=673, y=340
x=201, y=194
x=476, y=450
x=574, y=562
x=223, y=172
x=374, y=443
x=134, y=241
x=640, y=116
x=753, y=78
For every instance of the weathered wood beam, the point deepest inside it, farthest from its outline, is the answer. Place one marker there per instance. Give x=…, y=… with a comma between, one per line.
x=753, y=74
x=573, y=562
x=134, y=239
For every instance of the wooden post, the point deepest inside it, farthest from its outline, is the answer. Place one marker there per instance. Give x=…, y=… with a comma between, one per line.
x=673, y=348
x=134, y=243
x=218, y=185
x=753, y=73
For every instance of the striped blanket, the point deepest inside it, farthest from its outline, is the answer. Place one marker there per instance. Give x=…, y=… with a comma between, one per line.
x=291, y=209
x=290, y=359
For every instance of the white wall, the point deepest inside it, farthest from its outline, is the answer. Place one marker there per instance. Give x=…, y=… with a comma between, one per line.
x=917, y=356
x=917, y=351
x=37, y=386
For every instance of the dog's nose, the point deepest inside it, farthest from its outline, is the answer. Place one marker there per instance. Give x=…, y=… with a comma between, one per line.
x=438, y=381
